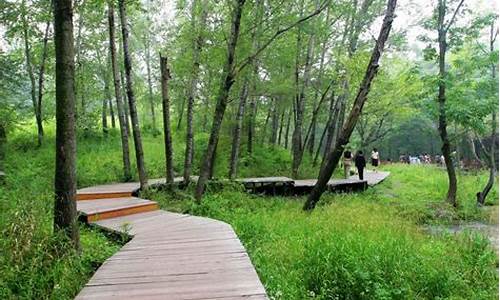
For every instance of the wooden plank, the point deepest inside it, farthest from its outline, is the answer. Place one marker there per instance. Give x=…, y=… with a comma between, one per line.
x=122, y=212
x=107, y=195
x=373, y=177
x=265, y=180
x=103, y=205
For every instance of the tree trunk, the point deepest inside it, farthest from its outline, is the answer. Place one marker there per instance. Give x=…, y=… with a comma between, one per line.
x=212, y=163
x=125, y=101
x=181, y=114
x=107, y=95
x=323, y=134
x=169, y=153
x=252, y=112
x=150, y=87
x=118, y=95
x=197, y=45
x=481, y=196
x=443, y=133
x=264, y=129
x=104, y=115
x=235, y=147
x=274, y=123
x=112, y=113
x=287, y=131
x=314, y=119
x=473, y=150
x=3, y=141
x=314, y=116
x=41, y=77
x=226, y=83
x=297, y=147
x=139, y=154
x=280, y=132
x=334, y=156
x=332, y=126
x=65, y=216
x=29, y=70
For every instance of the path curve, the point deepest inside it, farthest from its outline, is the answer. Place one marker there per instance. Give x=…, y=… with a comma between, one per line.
x=174, y=256
x=171, y=256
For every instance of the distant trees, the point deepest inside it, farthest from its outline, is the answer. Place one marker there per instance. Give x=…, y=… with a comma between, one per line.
x=259, y=75
x=65, y=218
x=333, y=157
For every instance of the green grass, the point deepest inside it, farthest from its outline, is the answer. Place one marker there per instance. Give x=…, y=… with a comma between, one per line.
x=353, y=246
x=360, y=246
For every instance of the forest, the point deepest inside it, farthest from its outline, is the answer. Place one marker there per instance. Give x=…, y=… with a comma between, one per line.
x=203, y=94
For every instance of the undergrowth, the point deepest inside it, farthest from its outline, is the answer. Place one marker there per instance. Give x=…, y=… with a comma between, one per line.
x=353, y=246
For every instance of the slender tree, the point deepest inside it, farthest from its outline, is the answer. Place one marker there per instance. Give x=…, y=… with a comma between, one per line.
x=235, y=147
x=118, y=95
x=223, y=94
x=169, y=153
x=136, y=130
x=41, y=78
x=481, y=196
x=65, y=217
x=31, y=73
x=371, y=71
x=442, y=29
x=150, y=84
x=197, y=46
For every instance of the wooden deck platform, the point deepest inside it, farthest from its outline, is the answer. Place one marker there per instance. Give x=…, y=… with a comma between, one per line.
x=305, y=186
x=267, y=185
x=122, y=189
x=373, y=177
x=171, y=256
x=287, y=186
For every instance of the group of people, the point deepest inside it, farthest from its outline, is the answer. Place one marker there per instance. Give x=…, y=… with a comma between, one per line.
x=359, y=162
x=421, y=159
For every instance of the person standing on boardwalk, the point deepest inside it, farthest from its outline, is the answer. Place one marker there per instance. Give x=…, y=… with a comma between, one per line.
x=347, y=161
x=375, y=159
x=360, y=163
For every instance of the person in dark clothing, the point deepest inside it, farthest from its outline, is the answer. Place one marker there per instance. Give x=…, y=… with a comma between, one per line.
x=360, y=163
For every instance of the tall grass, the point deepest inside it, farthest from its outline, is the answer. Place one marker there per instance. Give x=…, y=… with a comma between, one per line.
x=353, y=246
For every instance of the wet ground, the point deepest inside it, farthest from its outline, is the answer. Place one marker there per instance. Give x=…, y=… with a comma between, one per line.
x=488, y=230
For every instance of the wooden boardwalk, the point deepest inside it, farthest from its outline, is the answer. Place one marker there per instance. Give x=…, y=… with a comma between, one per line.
x=373, y=177
x=171, y=256
x=176, y=256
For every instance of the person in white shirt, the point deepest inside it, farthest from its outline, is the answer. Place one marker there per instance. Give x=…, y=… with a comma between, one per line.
x=375, y=158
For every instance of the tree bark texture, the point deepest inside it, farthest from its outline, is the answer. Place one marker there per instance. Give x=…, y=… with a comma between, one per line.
x=65, y=216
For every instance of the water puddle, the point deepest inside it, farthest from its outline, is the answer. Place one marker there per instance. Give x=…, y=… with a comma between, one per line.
x=488, y=230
